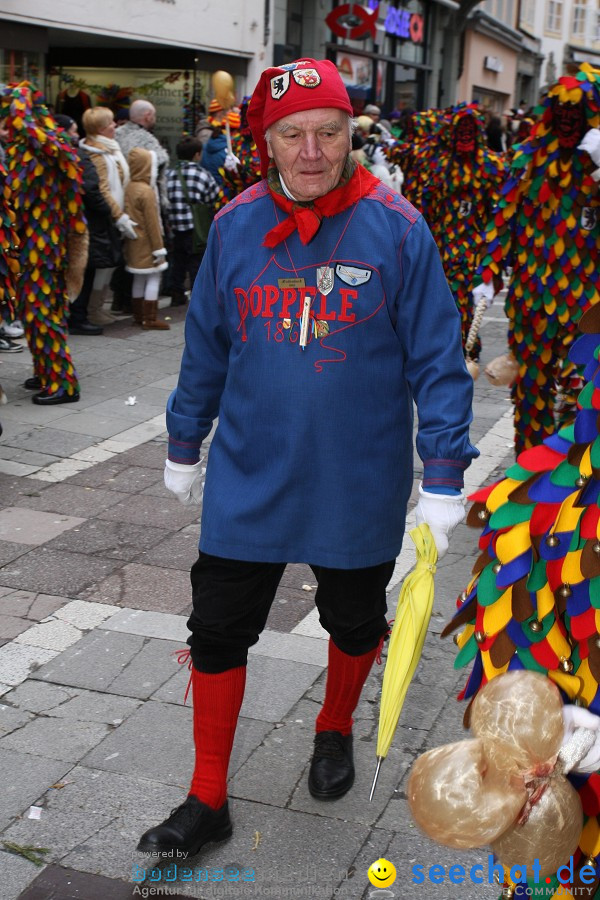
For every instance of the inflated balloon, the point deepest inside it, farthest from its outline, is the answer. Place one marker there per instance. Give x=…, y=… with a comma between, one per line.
x=521, y=711
x=502, y=370
x=550, y=834
x=223, y=89
x=458, y=799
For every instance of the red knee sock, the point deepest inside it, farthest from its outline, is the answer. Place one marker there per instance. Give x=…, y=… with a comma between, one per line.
x=217, y=701
x=346, y=676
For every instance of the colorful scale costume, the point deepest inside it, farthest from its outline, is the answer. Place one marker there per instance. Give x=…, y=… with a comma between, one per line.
x=243, y=147
x=9, y=265
x=546, y=227
x=45, y=186
x=461, y=180
x=534, y=601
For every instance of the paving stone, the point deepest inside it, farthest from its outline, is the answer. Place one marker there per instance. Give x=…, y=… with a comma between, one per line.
x=100, y=475
x=134, y=479
x=114, y=540
x=11, y=626
x=11, y=718
x=53, y=635
x=179, y=551
x=74, y=499
x=18, y=662
x=56, y=571
x=17, y=874
x=24, y=779
x=91, y=706
x=144, y=587
x=145, y=510
x=55, y=738
x=152, y=667
x=102, y=426
x=295, y=647
x=38, y=696
x=156, y=742
x=10, y=550
x=85, y=614
x=45, y=605
x=94, y=662
x=149, y=624
x=26, y=526
x=50, y=440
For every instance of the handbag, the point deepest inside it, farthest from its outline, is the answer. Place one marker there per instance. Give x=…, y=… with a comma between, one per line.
x=201, y=214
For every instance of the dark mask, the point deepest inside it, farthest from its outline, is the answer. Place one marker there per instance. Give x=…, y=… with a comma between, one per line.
x=464, y=135
x=568, y=123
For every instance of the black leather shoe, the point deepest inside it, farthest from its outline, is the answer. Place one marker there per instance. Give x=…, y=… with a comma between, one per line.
x=85, y=328
x=187, y=829
x=33, y=384
x=45, y=398
x=332, y=767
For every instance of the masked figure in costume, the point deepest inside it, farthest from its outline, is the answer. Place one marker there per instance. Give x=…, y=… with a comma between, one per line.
x=44, y=180
x=546, y=228
x=242, y=168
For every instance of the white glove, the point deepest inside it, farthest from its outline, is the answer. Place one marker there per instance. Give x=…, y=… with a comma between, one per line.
x=231, y=162
x=442, y=512
x=126, y=226
x=485, y=292
x=159, y=255
x=591, y=144
x=185, y=481
x=580, y=751
x=379, y=158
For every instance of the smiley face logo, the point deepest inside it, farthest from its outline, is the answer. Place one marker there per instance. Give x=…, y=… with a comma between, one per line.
x=382, y=873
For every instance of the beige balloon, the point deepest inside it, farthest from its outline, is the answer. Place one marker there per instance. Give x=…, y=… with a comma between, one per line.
x=522, y=712
x=223, y=89
x=458, y=799
x=550, y=834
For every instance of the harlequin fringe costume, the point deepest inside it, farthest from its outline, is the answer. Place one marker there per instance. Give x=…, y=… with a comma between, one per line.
x=45, y=186
x=9, y=264
x=460, y=185
x=546, y=227
x=534, y=601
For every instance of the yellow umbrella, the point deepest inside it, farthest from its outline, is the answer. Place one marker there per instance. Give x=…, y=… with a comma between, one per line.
x=413, y=613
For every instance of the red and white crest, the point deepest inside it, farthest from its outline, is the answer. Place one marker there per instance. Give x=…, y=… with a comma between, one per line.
x=308, y=78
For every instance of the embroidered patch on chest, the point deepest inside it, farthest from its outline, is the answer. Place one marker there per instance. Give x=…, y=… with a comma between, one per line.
x=352, y=275
x=589, y=217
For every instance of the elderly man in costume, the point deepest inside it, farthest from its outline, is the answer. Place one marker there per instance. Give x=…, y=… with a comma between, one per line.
x=319, y=314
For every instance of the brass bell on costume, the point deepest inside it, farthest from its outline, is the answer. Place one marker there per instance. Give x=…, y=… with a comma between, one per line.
x=508, y=892
x=596, y=547
x=581, y=480
x=565, y=665
x=565, y=590
x=536, y=625
x=552, y=540
x=480, y=636
x=483, y=514
x=597, y=641
x=496, y=568
x=463, y=596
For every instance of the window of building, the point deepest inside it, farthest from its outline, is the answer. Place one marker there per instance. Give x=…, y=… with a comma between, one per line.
x=554, y=12
x=579, y=13
x=527, y=13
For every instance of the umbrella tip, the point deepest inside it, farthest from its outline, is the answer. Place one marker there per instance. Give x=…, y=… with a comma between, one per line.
x=375, y=777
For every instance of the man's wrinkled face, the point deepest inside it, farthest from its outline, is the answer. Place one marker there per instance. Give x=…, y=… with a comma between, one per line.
x=310, y=149
x=464, y=135
x=568, y=123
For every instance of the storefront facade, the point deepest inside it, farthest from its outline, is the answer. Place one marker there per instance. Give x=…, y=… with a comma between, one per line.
x=383, y=51
x=112, y=52
x=491, y=52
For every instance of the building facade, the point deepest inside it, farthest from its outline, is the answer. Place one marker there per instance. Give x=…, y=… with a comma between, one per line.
x=109, y=53
x=570, y=34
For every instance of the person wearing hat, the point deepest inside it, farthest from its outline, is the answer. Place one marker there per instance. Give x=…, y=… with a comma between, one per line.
x=320, y=312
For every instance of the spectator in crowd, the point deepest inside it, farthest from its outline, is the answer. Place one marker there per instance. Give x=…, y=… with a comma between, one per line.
x=187, y=183
x=113, y=175
x=146, y=255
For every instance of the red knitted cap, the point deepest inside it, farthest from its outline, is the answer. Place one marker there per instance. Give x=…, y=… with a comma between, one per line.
x=290, y=88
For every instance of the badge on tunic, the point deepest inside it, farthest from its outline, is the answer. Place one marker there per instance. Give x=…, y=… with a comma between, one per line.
x=324, y=279
x=308, y=78
x=465, y=208
x=279, y=85
x=291, y=282
x=352, y=275
x=589, y=217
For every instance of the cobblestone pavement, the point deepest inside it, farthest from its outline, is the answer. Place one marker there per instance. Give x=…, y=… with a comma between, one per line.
x=95, y=738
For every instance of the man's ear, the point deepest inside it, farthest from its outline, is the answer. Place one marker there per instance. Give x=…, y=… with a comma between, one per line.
x=269, y=151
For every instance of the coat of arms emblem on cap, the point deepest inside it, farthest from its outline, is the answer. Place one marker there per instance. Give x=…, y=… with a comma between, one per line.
x=279, y=85
x=308, y=78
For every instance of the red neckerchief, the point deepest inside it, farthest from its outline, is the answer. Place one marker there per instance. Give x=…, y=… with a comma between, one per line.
x=307, y=217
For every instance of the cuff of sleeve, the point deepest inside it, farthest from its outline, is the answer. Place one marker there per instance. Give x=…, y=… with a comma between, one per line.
x=596, y=175
x=443, y=473
x=182, y=452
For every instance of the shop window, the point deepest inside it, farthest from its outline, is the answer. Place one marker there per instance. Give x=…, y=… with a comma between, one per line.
x=554, y=14
x=20, y=65
x=579, y=14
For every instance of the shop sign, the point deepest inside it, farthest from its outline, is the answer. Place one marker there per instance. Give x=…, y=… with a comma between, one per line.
x=403, y=24
x=352, y=21
x=493, y=63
